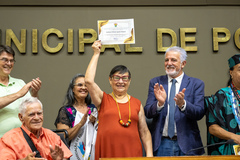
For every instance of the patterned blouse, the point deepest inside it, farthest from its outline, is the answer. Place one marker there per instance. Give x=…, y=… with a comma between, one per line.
x=67, y=114
x=219, y=111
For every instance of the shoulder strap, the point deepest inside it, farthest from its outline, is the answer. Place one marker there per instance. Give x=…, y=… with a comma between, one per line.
x=30, y=143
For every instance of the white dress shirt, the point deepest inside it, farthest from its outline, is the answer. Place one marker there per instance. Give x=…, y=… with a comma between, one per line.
x=178, y=84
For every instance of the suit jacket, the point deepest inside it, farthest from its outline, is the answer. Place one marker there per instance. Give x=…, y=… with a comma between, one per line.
x=186, y=122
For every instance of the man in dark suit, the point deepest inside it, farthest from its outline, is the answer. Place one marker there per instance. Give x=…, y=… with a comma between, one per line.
x=175, y=103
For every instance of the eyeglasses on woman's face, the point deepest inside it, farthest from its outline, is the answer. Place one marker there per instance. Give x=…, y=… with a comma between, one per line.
x=117, y=78
x=80, y=85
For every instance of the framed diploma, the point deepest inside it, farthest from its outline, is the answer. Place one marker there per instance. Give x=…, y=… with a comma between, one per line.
x=118, y=31
x=236, y=149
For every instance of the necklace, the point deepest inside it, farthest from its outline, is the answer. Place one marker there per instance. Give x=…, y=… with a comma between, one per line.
x=235, y=103
x=235, y=91
x=120, y=118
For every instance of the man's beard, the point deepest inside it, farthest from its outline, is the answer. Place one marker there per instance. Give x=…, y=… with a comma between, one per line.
x=173, y=73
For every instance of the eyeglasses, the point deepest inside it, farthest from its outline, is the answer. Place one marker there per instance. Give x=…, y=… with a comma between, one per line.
x=117, y=78
x=80, y=85
x=5, y=60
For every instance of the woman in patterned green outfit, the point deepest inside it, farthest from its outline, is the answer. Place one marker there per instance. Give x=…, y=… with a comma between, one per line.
x=223, y=113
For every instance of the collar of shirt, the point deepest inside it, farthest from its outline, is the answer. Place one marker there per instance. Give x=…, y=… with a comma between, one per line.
x=178, y=79
x=178, y=83
x=11, y=81
x=30, y=134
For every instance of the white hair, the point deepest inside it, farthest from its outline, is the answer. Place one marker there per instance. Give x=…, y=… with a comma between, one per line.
x=183, y=53
x=26, y=101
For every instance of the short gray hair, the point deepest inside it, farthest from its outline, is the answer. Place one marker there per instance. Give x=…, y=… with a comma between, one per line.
x=26, y=101
x=183, y=53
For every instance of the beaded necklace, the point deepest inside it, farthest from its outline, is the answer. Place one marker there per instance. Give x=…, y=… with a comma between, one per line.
x=235, y=91
x=120, y=117
x=235, y=103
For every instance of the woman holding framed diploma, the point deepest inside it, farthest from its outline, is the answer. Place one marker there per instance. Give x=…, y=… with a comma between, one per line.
x=122, y=123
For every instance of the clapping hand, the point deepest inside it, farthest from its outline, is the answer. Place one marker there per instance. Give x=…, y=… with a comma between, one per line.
x=160, y=94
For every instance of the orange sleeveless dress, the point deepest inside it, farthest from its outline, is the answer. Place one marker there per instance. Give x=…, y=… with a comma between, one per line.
x=113, y=139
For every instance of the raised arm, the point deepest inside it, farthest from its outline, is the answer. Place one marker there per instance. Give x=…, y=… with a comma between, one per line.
x=95, y=92
x=6, y=100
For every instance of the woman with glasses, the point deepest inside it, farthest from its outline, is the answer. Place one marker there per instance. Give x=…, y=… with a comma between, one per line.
x=76, y=116
x=122, y=123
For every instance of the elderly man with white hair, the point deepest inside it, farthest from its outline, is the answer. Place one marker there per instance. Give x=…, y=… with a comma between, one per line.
x=45, y=144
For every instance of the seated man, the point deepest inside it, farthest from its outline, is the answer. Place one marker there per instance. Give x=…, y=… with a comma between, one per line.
x=13, y=144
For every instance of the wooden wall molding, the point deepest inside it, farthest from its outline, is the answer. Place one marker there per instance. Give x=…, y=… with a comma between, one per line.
x=119, y=3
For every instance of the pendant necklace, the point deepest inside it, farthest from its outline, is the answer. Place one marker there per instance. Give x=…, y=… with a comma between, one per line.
x=120, y=118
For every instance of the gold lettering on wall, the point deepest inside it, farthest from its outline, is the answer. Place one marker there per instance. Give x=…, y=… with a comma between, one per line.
x=10, y=36
x=45, y=38
x=217, y=39
x=160, y=32
x=236, y=38
x=184, y=39
x=128, y=48
x=82, y=41
x=88, y=36
x=70, y=40
x=34, y=41
x=115, y=46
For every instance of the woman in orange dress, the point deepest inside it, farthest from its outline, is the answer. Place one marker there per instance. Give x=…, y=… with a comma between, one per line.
x=122, y=123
